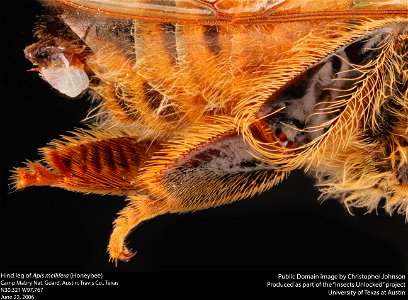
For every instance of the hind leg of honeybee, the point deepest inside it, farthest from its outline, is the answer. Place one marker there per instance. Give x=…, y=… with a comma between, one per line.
x=140, y=208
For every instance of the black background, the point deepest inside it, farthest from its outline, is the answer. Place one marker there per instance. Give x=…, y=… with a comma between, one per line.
x=49, y=229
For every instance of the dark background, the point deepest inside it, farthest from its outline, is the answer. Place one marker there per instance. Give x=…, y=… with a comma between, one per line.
x=49, y=229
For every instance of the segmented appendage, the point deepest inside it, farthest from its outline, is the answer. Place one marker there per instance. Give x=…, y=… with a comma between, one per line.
x=193, y=115
x=375, y=161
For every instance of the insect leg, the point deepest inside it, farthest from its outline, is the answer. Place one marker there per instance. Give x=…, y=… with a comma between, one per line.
x=140, y=208
x=218, y=171
x=90, y=162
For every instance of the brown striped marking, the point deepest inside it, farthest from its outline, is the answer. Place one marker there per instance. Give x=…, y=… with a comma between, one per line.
x=170, y=41
x=97, y=166
x=211, y=39
x=128, y=111
x=154, y=98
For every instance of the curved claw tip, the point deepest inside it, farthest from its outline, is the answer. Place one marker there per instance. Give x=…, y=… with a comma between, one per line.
x=126, y=256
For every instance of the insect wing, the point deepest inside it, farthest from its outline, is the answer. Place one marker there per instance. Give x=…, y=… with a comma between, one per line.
x=221, y=11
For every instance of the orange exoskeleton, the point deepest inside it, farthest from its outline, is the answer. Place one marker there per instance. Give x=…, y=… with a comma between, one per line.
x=202, y=103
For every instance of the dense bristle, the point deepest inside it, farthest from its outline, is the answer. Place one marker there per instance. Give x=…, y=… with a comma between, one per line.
x=194, y=115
